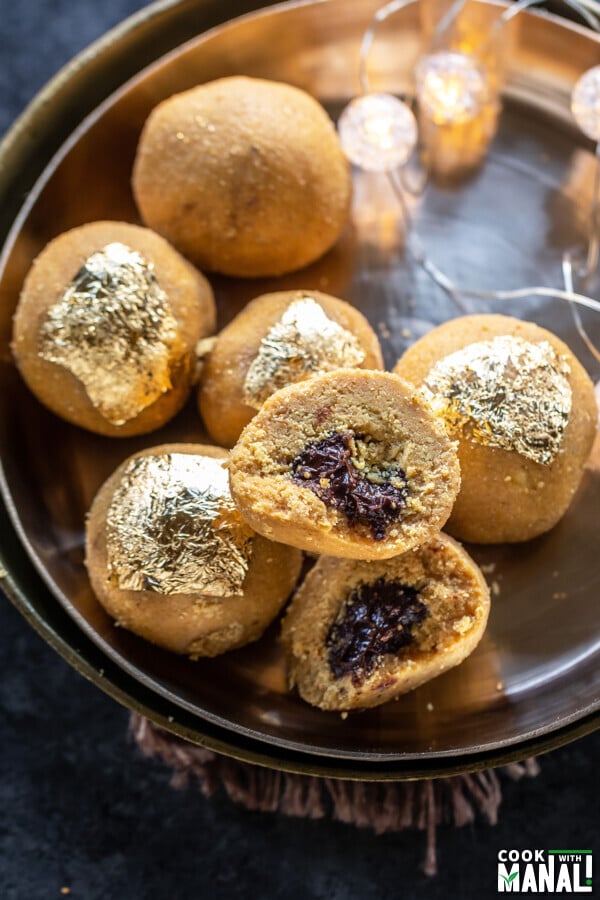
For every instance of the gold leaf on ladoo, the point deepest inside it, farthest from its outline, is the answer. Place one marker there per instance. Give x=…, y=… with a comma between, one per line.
x=172, y=528
x=305, y=341
x=512, y=394
x=114, y=330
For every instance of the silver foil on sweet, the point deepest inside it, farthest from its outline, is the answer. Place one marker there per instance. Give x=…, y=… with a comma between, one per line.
x=512, y=394
x=305, y=341
x=172, y=527
x=113, y=329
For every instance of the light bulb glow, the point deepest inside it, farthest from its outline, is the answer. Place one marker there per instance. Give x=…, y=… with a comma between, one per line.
x=378, y=132
x=585, y=103
x=451, y=87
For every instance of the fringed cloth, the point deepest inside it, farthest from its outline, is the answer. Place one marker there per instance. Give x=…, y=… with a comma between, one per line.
x=380, y=806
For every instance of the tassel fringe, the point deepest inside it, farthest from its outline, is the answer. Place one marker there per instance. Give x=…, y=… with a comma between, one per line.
x=380, y=806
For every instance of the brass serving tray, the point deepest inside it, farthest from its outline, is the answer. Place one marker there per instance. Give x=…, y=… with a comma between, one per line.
x=534, y=680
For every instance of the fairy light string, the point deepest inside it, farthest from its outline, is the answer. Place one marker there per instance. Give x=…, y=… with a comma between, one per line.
x=586, y=111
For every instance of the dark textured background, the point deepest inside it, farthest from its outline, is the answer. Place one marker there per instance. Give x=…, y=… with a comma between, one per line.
x=79, y=807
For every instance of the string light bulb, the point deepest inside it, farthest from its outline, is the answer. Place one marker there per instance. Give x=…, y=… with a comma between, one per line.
x=585, y=103
x=451, y=87
x=378, y=132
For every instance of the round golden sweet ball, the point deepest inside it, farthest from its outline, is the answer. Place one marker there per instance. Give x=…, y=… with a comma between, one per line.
x=106, y=328
x=279, y=339
x=171, y=559
x=525, y=416
x=244, y=176
x=358, y=634
x=350, y=463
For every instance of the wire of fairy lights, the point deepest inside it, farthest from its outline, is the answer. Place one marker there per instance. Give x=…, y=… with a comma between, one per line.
x=379, y=132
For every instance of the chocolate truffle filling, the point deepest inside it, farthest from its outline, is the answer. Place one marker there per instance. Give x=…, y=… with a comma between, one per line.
x=328, y=469
x=376, y=620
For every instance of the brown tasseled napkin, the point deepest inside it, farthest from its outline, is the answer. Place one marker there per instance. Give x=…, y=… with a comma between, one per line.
x=381, y=806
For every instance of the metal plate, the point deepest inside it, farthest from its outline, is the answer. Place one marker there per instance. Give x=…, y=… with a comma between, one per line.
x=534, y=679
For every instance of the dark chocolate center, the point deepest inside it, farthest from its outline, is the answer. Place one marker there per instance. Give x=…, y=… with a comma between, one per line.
x=377, y=619
x=327, y=468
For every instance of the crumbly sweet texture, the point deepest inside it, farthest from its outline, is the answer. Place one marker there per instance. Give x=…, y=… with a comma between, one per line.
x=191, y=624
x=395, y=439
x=442, y=616
x=190, y=300
x=221, y=394
x=244, y=176
x=504, y=496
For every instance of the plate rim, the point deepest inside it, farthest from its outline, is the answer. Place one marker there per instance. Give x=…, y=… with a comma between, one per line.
x=217, y=736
